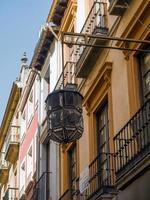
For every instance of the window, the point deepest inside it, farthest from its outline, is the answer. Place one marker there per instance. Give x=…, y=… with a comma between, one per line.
x=102, y=129
x=145, y=74
x=30, y=106
x=22, y=175
x=103, y=142
x=23, y=124
x=29, y=163
x=73, y=170
x=45, y=92
x=37, y=87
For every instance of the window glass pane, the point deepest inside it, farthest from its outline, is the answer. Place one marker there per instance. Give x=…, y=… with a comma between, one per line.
x=147, y=82
x=103, y=136
x=103, y=144
x=147, y=62
x=102, y=124
x=73, y=169
x=69, y=97
x=145, y=69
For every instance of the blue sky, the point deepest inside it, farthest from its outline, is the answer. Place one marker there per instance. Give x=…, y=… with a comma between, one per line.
x=20, y=21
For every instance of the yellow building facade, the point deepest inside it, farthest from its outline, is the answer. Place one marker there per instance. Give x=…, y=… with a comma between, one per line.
x=108, y=160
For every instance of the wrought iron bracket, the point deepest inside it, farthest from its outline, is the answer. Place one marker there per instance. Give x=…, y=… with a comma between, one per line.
x=81, y=39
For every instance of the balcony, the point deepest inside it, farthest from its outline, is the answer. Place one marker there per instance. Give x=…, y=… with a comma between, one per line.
x=96, y=23
x=118, y=7
x=12, y=145
x=11, y=194
x=132, y=143
x=4, y=169
x=69, y=76
x=66, y=195
x=101, y=177
x=42, y=187
x=101, y=180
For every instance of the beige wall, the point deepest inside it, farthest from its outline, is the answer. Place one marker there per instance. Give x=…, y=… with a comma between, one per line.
x=121, y=86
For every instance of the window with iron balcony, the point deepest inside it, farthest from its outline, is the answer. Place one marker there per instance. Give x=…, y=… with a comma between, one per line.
x=101, y=178
x=132, y=143
x=101, y=169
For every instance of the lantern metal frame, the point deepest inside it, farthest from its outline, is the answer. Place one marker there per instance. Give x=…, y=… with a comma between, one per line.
x=65, y=121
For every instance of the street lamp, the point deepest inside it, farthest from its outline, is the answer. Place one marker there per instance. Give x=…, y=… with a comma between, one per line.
x=64, y=113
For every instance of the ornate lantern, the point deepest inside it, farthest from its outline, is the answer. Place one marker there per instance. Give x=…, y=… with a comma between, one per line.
x=64, y=113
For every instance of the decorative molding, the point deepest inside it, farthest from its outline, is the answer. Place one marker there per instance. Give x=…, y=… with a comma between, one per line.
x=133, y=27
x=68, y=16
x=87, y=108
x=67, y=147
x=63, y=148
x=102, y=77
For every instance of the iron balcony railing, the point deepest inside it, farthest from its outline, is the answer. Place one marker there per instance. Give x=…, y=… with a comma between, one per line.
x=101, y=176
x=132, y=143
x=11, y=194
x=66, y=195
x=96, y=22
x=42, y=187
x=72, y=194
x=101, y=179
x=69, y=76
x=13, y=136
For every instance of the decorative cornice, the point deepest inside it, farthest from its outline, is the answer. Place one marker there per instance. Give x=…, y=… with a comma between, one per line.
x=66, y=17
x=133, y=27
x=103, y=77
x=42, y=48
x=69, y=15
x=57, y=11
x=52, y=10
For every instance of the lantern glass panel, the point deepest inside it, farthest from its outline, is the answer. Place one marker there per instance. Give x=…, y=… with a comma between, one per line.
x=56, y=118
x=71, y=117
x=79, y=102
x=69, y=98
x=56, y=100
